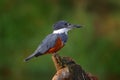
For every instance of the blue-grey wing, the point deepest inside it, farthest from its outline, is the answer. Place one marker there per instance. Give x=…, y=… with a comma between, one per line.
x=46, y=44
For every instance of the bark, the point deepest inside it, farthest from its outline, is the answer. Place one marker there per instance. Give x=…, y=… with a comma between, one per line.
x=67, y=69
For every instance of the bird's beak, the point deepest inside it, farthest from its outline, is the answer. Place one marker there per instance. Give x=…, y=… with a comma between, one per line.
x=74, y=26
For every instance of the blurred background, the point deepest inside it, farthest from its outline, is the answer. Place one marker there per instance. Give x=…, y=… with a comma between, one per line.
x=24, y=23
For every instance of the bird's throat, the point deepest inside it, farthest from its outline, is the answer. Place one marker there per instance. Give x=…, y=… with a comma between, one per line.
x=59, y=31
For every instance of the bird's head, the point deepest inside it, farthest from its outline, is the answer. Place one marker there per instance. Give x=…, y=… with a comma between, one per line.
x=64, y=27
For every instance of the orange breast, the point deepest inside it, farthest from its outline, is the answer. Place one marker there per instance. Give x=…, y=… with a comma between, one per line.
x=58, y=45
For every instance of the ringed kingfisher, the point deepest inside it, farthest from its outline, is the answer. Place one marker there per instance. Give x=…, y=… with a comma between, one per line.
x=54, y=41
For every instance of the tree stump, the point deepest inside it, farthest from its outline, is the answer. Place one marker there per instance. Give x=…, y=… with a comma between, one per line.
x=67, y=69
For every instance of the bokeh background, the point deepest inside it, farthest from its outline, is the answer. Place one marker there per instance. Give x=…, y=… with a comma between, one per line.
x=24, y=23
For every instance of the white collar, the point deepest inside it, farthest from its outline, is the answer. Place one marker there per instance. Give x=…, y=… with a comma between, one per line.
x=59, y=31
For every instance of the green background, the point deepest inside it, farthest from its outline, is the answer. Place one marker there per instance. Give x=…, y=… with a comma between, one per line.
x=24, y=23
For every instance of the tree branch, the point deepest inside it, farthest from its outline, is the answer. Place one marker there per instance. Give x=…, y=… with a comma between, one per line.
x=67, y=69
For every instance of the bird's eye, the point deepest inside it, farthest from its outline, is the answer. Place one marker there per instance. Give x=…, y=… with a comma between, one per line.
x=66, y=24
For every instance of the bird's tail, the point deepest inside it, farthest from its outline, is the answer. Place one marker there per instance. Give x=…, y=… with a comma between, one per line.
x=36, y=54
x=29, y=57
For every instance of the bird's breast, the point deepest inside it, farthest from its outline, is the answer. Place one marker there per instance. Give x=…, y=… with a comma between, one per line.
x=58, y=45
x=63, y=37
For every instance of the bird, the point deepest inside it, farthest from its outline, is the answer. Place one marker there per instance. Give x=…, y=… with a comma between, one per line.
x=55, y=41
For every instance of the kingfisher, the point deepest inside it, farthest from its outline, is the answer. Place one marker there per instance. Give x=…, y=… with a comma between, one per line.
x=54, y=41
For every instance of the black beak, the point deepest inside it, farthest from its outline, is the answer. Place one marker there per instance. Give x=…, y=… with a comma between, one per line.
x=74, y=26
x=77, y=26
